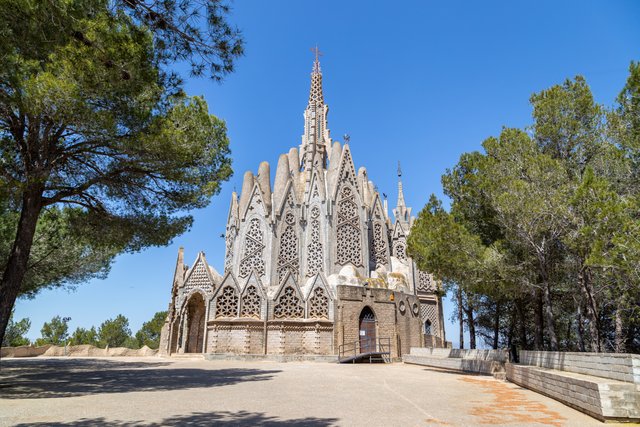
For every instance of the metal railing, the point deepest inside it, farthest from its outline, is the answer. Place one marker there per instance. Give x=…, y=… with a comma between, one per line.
x=366, y=347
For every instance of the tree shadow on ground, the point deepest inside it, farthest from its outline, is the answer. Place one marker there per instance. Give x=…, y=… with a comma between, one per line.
x=201, y=419
x=11, y=366
x=79, y=377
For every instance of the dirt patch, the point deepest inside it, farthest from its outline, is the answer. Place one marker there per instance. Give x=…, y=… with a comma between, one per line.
x=510, y=406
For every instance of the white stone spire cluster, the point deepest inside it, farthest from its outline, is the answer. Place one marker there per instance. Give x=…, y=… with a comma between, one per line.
x=293, y=247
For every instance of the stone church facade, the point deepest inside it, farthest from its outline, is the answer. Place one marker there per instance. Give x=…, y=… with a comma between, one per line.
x=310, y=264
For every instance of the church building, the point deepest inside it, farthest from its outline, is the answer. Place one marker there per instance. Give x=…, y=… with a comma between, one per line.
x=312, y=263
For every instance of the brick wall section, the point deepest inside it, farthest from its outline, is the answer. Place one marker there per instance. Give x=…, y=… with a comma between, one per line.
x=403, y=328
x=620, y=367
x=283, y=337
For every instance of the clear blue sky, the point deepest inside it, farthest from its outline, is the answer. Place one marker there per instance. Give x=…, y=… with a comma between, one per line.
x=420, y=82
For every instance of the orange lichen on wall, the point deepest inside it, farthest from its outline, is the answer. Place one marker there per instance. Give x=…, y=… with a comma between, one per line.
x=511, y=406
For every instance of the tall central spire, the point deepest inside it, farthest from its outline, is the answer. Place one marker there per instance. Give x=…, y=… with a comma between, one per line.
x=316, y=139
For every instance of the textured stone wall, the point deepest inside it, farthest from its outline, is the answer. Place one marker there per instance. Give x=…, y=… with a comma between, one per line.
x=621, y=367
x=602, y=398
x=283, y=337
x=401, y=327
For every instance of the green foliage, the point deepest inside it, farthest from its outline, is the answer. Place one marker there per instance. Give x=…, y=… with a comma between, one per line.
x=84, y=336
x=14, y=336
x=66, y=251
x=54, y=332
x=541, y=242
x=149, y=334
x=115, y=332
x=101, y=151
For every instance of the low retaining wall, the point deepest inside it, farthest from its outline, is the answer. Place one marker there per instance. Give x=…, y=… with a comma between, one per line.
x=602, y=385
x=488, y=362
x=75, y=351
x=619, y=367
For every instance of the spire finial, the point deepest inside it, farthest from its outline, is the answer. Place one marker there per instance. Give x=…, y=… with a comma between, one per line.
x=317, y=52
x=400, y=205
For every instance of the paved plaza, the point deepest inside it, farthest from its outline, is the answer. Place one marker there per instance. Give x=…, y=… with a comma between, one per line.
x=156, y=391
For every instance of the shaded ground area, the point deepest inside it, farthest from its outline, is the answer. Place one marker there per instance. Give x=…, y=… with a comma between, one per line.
x=199, y=419
x=157, y=392
x=51, y=378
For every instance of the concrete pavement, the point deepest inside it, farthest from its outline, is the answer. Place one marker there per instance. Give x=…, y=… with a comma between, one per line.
x=156, y=391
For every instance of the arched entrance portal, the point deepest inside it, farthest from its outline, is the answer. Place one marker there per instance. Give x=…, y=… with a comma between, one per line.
x=195, y=319
x=367, y=331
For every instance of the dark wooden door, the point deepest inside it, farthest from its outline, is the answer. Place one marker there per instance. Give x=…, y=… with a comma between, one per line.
x=367, y=331
x=195, y=337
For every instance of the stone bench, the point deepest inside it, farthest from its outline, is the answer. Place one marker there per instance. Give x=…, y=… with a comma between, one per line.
x=605, y=386
x=487, y=362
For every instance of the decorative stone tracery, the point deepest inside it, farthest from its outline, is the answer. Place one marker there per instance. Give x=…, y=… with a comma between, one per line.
x=288, y=260
x=253, y=248
x=227, y=304
x=289, y=305
x=425, y=282
x=314, y=248
x=429, y=311
x=400, y=250
x=229, y=241
x=319, y=304
x=379, y=245
x=349, y=248
x=199, y=278
x=251, y=303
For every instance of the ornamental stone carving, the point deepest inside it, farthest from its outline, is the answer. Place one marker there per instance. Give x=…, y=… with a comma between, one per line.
x=253, y=247
x=319, y=304
x=251, y=303
x=288, y=260
x=425, y=282
x=198, y=279
x=349, y=248
x=378, y=245
x=400, y=250
x=227, y=304
x=314, y=248
x=289, y=305
x=229, y=241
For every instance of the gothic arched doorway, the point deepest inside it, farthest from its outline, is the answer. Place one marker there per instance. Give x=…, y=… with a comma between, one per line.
x=367, y=330
x=195, y=324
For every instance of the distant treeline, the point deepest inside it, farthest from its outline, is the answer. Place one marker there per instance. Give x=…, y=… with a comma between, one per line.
x=112, y=332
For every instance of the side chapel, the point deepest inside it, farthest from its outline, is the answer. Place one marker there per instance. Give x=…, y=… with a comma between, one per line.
x=311, y=263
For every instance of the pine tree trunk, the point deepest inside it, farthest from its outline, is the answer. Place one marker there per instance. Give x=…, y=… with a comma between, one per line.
x=472, y=327
x=18, y=260
x=549, y=318
x=620, y=338
x=496, y=327
x=460, y=317
x=580, y=329
x=584, y=277
x=522, y=325
x=538, y=341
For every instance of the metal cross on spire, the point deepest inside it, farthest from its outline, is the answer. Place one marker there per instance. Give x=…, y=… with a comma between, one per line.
x=399, y=170
x=316, y=51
